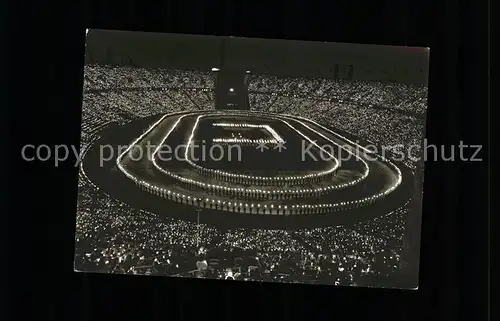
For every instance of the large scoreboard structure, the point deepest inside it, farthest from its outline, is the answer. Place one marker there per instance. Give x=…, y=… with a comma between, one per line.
x=231, y=89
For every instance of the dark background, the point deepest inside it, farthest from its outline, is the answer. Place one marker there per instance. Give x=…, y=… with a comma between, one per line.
x=406, y=65
x=42, y=75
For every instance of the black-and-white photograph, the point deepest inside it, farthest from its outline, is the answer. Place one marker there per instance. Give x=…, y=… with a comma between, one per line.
x=251, y=159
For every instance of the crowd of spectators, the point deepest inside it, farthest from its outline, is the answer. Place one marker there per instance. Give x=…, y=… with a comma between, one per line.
x=113, y=237
x=363, y=109
x=409, y=98
x=97, y=77
x=122, y=94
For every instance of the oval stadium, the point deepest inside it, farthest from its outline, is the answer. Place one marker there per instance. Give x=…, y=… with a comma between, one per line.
x=278, y=179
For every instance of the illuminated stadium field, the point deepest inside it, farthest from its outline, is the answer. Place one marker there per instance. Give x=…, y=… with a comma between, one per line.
x=282, y=171
x=231, y=165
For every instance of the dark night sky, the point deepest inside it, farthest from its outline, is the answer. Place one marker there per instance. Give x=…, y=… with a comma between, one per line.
x=279, y=57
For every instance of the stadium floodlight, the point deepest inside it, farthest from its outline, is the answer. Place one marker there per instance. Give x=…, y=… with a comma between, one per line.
x=248, y=71
x=215, y=69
